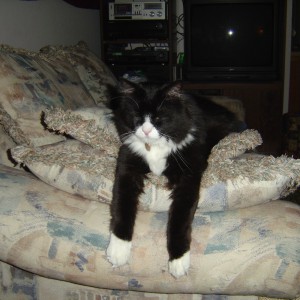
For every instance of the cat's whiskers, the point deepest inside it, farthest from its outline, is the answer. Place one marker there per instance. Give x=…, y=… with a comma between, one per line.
x=180, y=156
x=133, y=101
x=126, y=135
x=176, y=153
x=173, y=154
x=168, y=137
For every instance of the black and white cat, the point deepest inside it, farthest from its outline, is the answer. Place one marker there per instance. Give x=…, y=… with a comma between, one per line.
x=165, y=131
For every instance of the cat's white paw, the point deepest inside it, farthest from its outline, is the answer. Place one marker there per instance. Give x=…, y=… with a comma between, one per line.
x=118, y=251
x=179, y=267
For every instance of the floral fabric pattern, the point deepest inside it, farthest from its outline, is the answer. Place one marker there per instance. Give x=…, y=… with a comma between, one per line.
x=5, y=143
x=94, y=74
x=29, y=85
x=19, y=284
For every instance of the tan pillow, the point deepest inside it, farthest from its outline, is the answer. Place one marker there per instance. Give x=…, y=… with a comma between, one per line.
x=93, y=72
x=77, y=168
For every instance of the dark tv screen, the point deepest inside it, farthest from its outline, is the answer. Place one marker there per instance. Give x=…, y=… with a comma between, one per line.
x=227, y=40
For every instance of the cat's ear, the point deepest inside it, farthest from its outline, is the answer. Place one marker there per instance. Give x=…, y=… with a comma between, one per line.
x=127, y=87
x=174, y=90
x=117, y=92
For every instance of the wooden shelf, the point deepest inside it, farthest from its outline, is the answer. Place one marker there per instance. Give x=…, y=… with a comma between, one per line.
x=136, y=41
x=231, y=85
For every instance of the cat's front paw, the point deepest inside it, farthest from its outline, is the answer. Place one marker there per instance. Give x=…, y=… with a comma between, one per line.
x=179, y=267
x=118, y=251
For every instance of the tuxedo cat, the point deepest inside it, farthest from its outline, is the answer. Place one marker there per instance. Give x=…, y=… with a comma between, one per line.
x=165, y=131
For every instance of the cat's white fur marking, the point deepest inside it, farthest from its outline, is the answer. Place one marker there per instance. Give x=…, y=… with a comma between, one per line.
x=179, y=267
x=160, y=147
x=118, y=251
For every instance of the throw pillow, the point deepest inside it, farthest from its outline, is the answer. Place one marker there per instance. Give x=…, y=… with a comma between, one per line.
x=94, y=74
x=77, y=168
x=237, y=180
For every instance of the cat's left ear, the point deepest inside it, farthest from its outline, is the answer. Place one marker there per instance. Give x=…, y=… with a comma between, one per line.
x=174, y=89
x=127, y=87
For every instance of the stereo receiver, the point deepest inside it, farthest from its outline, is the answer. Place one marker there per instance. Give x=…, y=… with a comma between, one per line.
x=137, y=10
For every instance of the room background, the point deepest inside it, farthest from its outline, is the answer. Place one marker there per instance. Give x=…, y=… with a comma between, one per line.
x=32, y=24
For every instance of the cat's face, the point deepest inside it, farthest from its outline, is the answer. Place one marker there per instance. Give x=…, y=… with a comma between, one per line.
x=152, y=114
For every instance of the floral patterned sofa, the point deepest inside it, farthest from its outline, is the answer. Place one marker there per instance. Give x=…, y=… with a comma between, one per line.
x=57, y=158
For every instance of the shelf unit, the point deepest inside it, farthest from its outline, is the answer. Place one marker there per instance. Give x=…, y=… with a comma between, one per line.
x=160, y=68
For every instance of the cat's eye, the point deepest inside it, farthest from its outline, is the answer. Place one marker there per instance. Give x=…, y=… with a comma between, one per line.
x=136, y=120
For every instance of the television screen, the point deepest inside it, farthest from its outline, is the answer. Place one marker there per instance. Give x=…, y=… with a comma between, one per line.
x=232, y=39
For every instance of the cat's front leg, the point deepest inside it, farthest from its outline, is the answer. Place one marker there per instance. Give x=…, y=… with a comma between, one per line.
x=126, y=191
x=185, y=198
x=128, y=185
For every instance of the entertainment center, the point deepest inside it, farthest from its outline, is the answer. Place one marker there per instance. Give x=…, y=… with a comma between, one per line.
x=233, y=48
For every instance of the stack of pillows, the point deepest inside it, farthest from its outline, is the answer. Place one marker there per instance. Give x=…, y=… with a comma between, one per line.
x=54, y=119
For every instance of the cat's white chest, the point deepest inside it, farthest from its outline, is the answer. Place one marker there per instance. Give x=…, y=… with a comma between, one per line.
x=155, y=154
x=156, y=158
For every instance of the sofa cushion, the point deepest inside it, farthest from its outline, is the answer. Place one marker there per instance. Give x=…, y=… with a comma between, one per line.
x=253, y=251
x=19, y=284
x=30, y=83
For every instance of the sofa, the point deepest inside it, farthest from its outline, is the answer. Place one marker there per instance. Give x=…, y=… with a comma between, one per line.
x=58, y=148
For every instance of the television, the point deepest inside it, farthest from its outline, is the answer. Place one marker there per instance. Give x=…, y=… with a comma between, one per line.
x=233, y=40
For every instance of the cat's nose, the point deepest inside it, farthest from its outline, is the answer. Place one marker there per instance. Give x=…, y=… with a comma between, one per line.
x=147, y=128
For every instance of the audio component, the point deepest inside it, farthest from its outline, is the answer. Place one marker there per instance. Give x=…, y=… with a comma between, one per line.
x=138, y=56
x=137, y=10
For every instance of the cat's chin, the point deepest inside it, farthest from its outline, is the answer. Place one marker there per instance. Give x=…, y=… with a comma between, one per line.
x=180, y=266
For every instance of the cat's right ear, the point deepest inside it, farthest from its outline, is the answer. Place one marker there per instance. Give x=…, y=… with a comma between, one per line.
x=173, y=90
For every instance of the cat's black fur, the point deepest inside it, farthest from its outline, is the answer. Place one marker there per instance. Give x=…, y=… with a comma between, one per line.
x=175, y=114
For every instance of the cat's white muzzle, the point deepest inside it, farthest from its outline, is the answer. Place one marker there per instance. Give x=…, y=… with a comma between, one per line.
x=147, y=132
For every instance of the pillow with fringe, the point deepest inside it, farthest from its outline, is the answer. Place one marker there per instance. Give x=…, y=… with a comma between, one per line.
x=232, y=180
